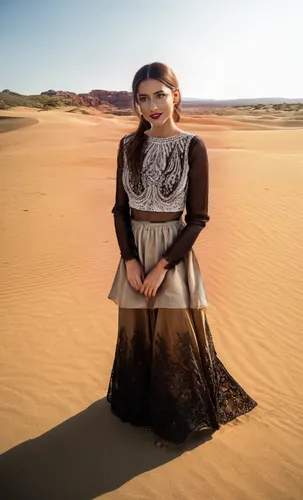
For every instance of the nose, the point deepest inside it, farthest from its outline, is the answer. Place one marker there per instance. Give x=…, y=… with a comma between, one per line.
x=153, y=105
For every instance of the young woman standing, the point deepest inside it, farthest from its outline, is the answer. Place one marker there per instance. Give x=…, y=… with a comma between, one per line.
x=166, y=375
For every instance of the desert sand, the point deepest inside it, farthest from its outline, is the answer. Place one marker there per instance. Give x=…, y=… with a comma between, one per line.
x=59, y=254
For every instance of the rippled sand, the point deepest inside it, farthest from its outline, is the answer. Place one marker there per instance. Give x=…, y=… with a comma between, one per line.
x=58, y=329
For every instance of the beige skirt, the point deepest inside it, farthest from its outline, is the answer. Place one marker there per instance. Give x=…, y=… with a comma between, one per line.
x=183, y=286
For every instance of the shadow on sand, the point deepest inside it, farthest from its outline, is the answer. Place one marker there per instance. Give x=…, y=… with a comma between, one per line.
x=10, y=123
x=84, y=457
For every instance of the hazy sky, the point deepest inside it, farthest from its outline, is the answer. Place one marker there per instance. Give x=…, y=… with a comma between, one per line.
x=218, y=49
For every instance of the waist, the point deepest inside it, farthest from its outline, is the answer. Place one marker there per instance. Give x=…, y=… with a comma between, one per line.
x=154, y=226
x=154, y=217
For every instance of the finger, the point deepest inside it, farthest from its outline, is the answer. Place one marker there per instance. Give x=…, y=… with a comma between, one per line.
x=147, y=291
x=138, y=284
x=133, y=284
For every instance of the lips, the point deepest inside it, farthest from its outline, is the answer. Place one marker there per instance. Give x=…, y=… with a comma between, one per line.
x=155, y=116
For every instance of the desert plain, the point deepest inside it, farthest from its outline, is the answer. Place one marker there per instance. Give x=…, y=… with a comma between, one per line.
x=59, y=253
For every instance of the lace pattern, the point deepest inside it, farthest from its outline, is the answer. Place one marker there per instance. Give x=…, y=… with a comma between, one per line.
x=167, y=375
x=164, y=178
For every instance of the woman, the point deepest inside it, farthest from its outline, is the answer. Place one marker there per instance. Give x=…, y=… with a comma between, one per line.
x=166, y=375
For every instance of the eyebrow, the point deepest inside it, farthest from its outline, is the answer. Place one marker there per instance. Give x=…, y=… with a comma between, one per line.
x=158, y=92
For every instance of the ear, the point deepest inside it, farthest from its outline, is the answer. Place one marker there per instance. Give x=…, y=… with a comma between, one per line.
x=176, y=95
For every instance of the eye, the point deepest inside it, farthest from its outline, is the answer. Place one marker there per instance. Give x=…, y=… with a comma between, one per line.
x=142, y=99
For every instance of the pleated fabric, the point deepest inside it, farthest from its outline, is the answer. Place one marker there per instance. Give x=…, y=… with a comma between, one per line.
x=167, y=376
x=183, y=286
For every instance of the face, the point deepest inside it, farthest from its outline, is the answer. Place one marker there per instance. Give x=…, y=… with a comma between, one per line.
x=155, y=97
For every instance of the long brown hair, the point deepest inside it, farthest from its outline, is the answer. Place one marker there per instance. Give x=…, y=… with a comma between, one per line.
x=158, y=71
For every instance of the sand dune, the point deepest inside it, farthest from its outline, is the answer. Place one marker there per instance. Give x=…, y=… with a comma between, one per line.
x=9, y=123
x=58, y=329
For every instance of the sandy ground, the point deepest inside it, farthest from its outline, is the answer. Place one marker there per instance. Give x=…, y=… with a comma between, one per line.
x=58, y=329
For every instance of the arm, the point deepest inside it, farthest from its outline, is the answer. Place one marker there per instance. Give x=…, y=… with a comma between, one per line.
x=121, y=213
x=196, y=204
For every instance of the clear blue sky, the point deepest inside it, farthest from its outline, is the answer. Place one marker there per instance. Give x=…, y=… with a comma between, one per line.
x=218, y=49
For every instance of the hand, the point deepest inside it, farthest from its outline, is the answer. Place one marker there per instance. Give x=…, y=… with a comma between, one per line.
x=153, y=280
x=135, y=273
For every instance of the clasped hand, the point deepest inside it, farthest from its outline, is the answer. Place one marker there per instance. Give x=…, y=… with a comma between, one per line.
x=146, y=285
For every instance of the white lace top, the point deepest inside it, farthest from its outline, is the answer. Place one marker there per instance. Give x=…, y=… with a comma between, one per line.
x=164, y=174
x=174, y=175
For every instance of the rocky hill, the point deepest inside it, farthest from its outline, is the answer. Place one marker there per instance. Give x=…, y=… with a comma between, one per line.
x=120, y=102
x=118, y=99
x=55, y=98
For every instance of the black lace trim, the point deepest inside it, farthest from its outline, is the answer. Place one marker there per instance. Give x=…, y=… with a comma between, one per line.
x=177, y=389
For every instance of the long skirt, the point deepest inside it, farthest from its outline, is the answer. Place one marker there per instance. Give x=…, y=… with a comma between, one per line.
x=166, y=374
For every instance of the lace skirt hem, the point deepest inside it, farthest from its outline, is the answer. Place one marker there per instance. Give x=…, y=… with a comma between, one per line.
x=166, y=374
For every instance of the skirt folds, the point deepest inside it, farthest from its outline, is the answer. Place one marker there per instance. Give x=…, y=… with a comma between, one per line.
x=183, y=286
x=166, y=374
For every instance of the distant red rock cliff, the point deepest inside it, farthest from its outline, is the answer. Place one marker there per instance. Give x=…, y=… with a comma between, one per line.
x=95, y=98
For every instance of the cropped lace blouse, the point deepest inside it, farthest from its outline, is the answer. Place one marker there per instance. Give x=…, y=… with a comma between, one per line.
x=174, y=176
x=164, y=175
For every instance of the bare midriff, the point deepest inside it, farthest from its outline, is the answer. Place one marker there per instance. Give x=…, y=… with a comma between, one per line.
x=145, y=215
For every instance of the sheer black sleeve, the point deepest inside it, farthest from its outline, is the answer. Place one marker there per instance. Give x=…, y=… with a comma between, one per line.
x=121, y=213
x=196, y=203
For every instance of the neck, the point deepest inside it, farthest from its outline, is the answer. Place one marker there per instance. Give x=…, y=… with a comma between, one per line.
x=166, y=130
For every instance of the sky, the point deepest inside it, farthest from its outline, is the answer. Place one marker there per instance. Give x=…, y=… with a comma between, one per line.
x=218, y=49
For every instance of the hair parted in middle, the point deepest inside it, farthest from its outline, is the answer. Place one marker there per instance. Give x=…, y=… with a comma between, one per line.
x=163, y=73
